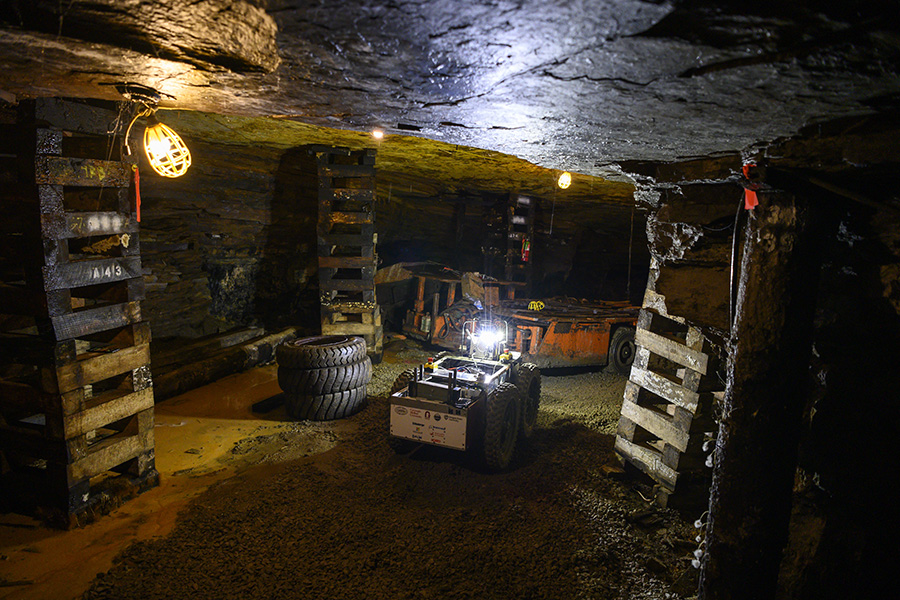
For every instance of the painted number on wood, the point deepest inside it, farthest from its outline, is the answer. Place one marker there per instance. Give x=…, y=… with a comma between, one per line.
x=108, y=271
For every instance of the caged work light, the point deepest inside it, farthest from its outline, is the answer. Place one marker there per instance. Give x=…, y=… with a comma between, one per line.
x=165, y=149
x=565, y=180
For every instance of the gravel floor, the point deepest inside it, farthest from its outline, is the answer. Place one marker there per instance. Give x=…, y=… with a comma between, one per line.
x=358, y=521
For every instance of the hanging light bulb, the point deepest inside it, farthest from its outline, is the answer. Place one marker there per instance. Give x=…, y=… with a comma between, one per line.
x=565, y=180
x=377, y=133
x=165, y=149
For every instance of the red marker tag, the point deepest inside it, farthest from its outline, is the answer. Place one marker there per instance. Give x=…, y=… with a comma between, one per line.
x=750, y=199
x=137, y=192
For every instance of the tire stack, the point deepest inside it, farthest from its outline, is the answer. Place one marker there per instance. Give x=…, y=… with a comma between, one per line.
x=323, y=377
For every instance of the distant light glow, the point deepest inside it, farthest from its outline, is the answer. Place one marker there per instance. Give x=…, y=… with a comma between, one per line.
x=377, y=134
x=565, y=180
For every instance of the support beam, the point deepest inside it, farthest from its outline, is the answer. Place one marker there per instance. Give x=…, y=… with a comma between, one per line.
x=756, y=449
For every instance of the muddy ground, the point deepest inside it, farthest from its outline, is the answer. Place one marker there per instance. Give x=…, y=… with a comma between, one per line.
x=358, y=521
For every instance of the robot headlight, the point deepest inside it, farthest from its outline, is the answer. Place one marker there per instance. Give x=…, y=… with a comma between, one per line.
x=488, y=338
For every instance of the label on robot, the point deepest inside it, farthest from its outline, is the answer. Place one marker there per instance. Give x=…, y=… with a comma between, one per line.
x=429, y=426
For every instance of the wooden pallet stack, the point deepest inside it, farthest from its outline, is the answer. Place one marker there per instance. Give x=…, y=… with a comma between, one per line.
x=667, y=408
x=346, y=239
x=519, y=239
x=76, y=396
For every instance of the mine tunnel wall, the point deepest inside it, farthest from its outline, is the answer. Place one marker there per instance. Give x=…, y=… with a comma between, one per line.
x=838, y=519
x=233, y=242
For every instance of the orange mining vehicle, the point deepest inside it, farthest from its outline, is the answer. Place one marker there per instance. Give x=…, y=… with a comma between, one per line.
x=559, y=332
x=549, y=333
x=570, y=333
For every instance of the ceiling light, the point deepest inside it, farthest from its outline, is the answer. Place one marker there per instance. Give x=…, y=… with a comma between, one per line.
x=565, y=180
x=377, y=134
x=166, y=151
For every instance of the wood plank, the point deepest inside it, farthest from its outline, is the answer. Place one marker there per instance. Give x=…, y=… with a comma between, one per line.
x=72, y=116
x=118, y=405
x=656, y=423
x=109, y=453
x=329, y=194
x=648, y=461
x=336, y=239
x=631, y=391
x=48, y=141
x=347, y=285
x=59, y=170
x=51, y=198
x=323, y=151
x=672, y=350
x=346, y=171
x=345, y=328
x=184, y=352
x=346, y=262
x=691, y=379
x=664, y=388
x=84, y=224
x=98, y=368
x=351, y=218
x=351, y=308
x=91, y=272
x=129, y=290
x=25, y=140
x=231, y=360
x=95, y=320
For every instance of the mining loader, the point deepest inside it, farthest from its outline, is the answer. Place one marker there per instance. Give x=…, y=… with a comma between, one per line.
x=483, y=398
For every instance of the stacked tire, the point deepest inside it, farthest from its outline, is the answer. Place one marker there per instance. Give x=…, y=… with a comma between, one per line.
x=323, y=377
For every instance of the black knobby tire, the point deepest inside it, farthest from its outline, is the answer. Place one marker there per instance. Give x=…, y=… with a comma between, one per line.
x=315, y=382
x=402, y=380
x=501, y=428
x=399, y=445
x=325, y=407
x=622, y=350
x=320, y=352
x=528, y=380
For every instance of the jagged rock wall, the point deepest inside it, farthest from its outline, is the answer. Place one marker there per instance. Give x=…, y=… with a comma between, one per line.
x=234, y=34
x=847, y=170
x=232, y=242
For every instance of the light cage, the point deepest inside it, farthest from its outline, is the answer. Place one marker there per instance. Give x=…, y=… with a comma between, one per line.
x=165, y=150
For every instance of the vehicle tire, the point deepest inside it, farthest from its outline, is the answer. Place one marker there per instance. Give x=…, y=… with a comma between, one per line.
x=315, y=382
x=325, y=407
x=501, y=428
x=622, y=350
x=402, y=380
x=528, y=380
x=320, y=352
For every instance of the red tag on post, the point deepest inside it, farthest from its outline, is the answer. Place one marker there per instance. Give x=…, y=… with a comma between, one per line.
x=137, y=192
x=750, y=200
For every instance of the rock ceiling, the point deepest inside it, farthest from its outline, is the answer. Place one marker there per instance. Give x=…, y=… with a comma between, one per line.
x=564, y=84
